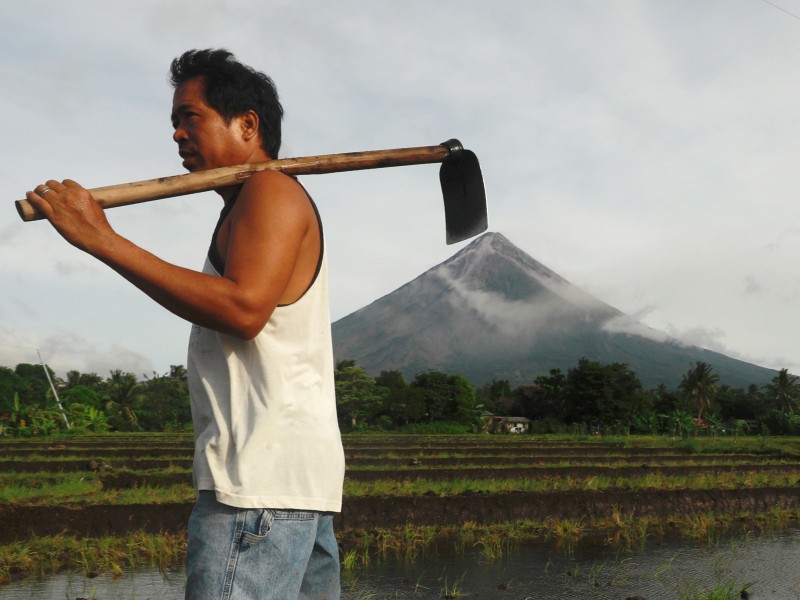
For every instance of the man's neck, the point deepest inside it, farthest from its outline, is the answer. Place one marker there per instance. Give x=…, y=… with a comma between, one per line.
x=228, y=193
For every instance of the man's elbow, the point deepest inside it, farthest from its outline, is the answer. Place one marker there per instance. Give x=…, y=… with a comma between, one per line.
x=248, y=325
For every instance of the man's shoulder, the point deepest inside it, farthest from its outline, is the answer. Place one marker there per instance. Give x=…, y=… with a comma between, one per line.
x=274, y=179
x=278, y=188
x=270, y=195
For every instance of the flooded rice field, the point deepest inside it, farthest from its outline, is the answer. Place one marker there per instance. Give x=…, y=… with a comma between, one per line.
x=764, y=567
x=109, y=503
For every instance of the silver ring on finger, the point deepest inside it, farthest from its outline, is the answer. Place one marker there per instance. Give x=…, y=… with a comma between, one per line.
x=44, y=190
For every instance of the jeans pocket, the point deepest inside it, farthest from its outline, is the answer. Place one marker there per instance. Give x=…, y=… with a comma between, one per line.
x=261, y=527
x=294, y=515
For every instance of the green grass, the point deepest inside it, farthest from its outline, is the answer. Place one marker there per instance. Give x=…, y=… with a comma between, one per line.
x=52, y=554
x=39, y=489
x=490, y=542
x=362, y=548
x=85, y=487
x=650, y=481
x=724, y=591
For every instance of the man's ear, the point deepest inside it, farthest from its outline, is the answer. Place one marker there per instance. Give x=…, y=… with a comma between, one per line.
x=249, y=125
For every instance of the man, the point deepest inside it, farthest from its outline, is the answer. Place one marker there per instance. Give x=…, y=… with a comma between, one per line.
x=269, y=464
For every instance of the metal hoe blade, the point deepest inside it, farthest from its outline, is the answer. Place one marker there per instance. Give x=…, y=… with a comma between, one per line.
x=464, y=194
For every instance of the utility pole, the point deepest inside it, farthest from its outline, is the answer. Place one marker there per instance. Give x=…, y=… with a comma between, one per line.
x=55, y=393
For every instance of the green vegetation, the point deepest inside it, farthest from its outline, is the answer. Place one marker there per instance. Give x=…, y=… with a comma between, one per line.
x=94, y=470
x=655, y=481
x=589, y=399
x=701, y=436
x=743, y=459
x=724, y=591
x=493, y=541
x=88, y=492
x=91, y=404
x=51, y=554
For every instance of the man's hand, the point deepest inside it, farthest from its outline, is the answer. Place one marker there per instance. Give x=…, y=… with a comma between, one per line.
x=73, y=212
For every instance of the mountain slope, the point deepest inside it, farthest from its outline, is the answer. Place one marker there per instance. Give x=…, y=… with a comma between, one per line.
x=493, y=312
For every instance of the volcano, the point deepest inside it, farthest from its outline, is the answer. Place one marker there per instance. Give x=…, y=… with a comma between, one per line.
x=493, y=312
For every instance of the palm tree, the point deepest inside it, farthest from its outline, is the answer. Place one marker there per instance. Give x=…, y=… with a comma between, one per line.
x=73, y=378
x=122, y=392
x=177, y=372
x=782, y=392
x=700, y=386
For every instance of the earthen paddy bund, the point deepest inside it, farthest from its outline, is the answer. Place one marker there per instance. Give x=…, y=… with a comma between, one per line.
x=117, y=505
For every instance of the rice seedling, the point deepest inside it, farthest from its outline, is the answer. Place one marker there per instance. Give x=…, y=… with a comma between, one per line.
x=649, y=481
x=452, y=592
x=349, y=560
x=494, y=547
x=776, y=519
x=596, y=573
x=465, y=537
x=664, y=568
x=417, y=540
x=35, y=489
x=91, y=556
x=628, y=529
x=702, y=526
x=364, y=548
x=564, y=528
x=566, y=532
x=724, y=591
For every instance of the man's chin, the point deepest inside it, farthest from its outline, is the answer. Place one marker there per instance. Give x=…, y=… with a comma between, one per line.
x=191, y=165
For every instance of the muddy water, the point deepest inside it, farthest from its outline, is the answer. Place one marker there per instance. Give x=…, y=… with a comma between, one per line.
x=768, y=565
x=663, y=570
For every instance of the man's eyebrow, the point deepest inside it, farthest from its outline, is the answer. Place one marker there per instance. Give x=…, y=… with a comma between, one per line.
x=177, y=110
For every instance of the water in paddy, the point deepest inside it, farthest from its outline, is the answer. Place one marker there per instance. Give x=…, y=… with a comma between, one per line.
x=768, y=566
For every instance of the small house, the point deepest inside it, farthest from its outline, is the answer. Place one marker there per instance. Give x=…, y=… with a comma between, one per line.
x=500, y=424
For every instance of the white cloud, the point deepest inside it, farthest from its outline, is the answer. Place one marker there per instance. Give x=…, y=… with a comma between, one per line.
x=645, y=151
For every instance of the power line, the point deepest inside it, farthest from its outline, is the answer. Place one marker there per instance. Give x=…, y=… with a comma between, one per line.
x=782, y=9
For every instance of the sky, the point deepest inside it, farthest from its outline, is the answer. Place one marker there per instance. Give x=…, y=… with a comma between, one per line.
x=644, y=150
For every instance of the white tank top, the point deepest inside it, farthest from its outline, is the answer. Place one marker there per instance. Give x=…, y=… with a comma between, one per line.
x=264, y=410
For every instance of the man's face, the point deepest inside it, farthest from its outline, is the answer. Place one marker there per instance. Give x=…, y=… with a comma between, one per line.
x=205, y=140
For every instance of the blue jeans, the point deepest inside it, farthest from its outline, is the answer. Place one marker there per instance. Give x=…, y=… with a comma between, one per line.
x=260, y=554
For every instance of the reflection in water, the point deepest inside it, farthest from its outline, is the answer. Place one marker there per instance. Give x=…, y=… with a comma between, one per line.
x=663, y=570
x=143, y=585
x=660, y=571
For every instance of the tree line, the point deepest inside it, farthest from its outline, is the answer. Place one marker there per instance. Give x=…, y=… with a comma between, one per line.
x=589, y=398
x=87, y=402
x=609, y=398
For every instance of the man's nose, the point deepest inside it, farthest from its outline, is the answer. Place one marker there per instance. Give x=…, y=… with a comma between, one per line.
x=179, y=135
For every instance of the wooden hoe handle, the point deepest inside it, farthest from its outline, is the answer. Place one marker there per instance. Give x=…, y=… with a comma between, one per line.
x=203, y=181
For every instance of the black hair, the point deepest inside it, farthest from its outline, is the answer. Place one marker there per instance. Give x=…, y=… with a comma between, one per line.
x=232, y=88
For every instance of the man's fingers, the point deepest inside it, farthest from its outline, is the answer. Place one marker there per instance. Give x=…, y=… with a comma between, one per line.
x=50, y=186
x=38, y=201
x=57, y=186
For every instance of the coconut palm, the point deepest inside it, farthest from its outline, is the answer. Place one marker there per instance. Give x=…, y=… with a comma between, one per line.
x=783, y=391
x=123, y=390
x=177, y=372
x=699, y=385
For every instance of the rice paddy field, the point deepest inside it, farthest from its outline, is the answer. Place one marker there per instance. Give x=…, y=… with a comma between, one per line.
x=116, y=503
